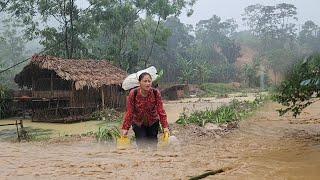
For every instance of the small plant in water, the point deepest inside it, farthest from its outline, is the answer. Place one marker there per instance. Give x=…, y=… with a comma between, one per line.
x=107, y=133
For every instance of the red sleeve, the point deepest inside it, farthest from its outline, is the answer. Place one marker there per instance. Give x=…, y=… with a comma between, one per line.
x=162, y=113
x=129, y=113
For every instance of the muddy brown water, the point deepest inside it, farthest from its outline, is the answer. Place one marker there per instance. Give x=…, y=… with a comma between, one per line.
x=264, y=147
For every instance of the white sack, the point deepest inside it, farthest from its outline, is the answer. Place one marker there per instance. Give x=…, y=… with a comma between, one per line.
x=133, y=79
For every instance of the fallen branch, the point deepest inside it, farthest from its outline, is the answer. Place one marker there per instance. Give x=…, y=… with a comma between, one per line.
x=209, y=173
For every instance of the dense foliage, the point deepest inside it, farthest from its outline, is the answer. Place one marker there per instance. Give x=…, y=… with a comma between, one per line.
x=134, y=34
x=301, y=87
x=5, y=100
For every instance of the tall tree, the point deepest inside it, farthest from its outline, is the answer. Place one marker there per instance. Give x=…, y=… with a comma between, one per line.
x=179, y=44
x=272, y=22
x=12, y=49
x=287, y=14
x=214, y=34
x=309, y=37
x=122, y=28
x=56, y=22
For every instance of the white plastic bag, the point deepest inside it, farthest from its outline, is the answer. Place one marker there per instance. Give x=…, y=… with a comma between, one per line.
x=133, y=79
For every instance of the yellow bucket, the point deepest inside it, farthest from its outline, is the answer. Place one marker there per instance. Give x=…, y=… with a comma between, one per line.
x=123, y=142
x=164, y=139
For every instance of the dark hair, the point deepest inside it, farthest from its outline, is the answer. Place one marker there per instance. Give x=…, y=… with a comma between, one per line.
x=142, y=75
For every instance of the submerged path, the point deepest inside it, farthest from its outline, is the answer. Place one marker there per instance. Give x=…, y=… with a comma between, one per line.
x=264, y=147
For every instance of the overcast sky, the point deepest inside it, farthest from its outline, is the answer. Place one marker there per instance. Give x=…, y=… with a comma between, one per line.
x=226, y=9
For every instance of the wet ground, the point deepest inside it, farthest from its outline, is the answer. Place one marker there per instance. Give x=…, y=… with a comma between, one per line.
x=173, y=109
x=264, y=147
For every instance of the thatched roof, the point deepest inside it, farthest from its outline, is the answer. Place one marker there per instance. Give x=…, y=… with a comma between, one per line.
x=83, y=73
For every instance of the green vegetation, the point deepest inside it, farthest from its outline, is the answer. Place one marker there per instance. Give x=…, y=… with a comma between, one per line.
x=208, y=52
x=223, y=89
x=5, y=99
x=26, y=134
x=35, y=134
x=301, y=87
x=12, y=48
x=224, y=114
x=107, y=133
x=108, y=115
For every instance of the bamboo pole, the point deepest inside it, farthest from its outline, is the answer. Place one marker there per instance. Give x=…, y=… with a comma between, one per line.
x=102, y=97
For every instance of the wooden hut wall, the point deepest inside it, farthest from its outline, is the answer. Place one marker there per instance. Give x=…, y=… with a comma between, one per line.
x=114, y=97
x=48, y=85
x=87, y=97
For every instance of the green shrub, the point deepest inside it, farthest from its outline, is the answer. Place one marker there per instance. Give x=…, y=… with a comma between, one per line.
x=107, y=133
x=109, y=115
x=301, y=87
x=224, y=114
x=5, y=101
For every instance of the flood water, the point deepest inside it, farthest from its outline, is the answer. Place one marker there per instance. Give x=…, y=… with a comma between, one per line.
x=48, y=129
x=264, y=147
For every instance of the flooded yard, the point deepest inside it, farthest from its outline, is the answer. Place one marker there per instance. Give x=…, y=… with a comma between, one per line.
x=265, y=146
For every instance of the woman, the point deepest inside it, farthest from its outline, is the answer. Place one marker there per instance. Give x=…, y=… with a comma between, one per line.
x=144, y=112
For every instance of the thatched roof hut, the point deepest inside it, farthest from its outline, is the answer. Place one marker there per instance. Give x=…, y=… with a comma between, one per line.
x=83, y=73
x=69, y=87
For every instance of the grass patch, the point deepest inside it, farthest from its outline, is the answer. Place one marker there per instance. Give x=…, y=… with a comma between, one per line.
x=108, y=128
x=27, y=134
x=235, y=111
x=223, y=89
x=107, y=133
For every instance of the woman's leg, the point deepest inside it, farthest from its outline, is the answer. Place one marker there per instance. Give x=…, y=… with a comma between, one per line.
x=140, y=134
x=146, y=135
x=152, y=133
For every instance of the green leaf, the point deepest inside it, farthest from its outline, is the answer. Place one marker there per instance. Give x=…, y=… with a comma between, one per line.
x=305, y=82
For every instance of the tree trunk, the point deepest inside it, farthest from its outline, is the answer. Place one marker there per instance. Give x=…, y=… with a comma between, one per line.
x=71, y=25
x=152, y=44
x=65, y=30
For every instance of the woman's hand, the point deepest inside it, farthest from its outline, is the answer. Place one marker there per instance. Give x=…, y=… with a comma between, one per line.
x=166, y=133
x=166, y=130
x=124, y=132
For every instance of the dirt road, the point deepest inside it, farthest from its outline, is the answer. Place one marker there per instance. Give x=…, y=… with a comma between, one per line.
x=264, y=147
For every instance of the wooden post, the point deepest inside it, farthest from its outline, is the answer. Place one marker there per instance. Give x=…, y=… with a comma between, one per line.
x=18, y=131
x=57, y=107
x=51, y=84
x=21, y=123
x=33, y=86
x=72, y=94
x=102, y=97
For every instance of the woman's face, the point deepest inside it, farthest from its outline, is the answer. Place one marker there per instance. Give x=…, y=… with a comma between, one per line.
x=145, y=83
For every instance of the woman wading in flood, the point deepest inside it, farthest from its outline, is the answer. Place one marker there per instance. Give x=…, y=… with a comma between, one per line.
x=145, y=112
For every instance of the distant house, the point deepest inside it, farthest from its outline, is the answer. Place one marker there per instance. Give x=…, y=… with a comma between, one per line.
x=67, y=90
x=175, y=92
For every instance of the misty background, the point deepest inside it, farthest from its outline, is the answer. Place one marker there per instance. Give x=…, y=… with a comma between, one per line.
x=203, y=9
x=254, y=43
